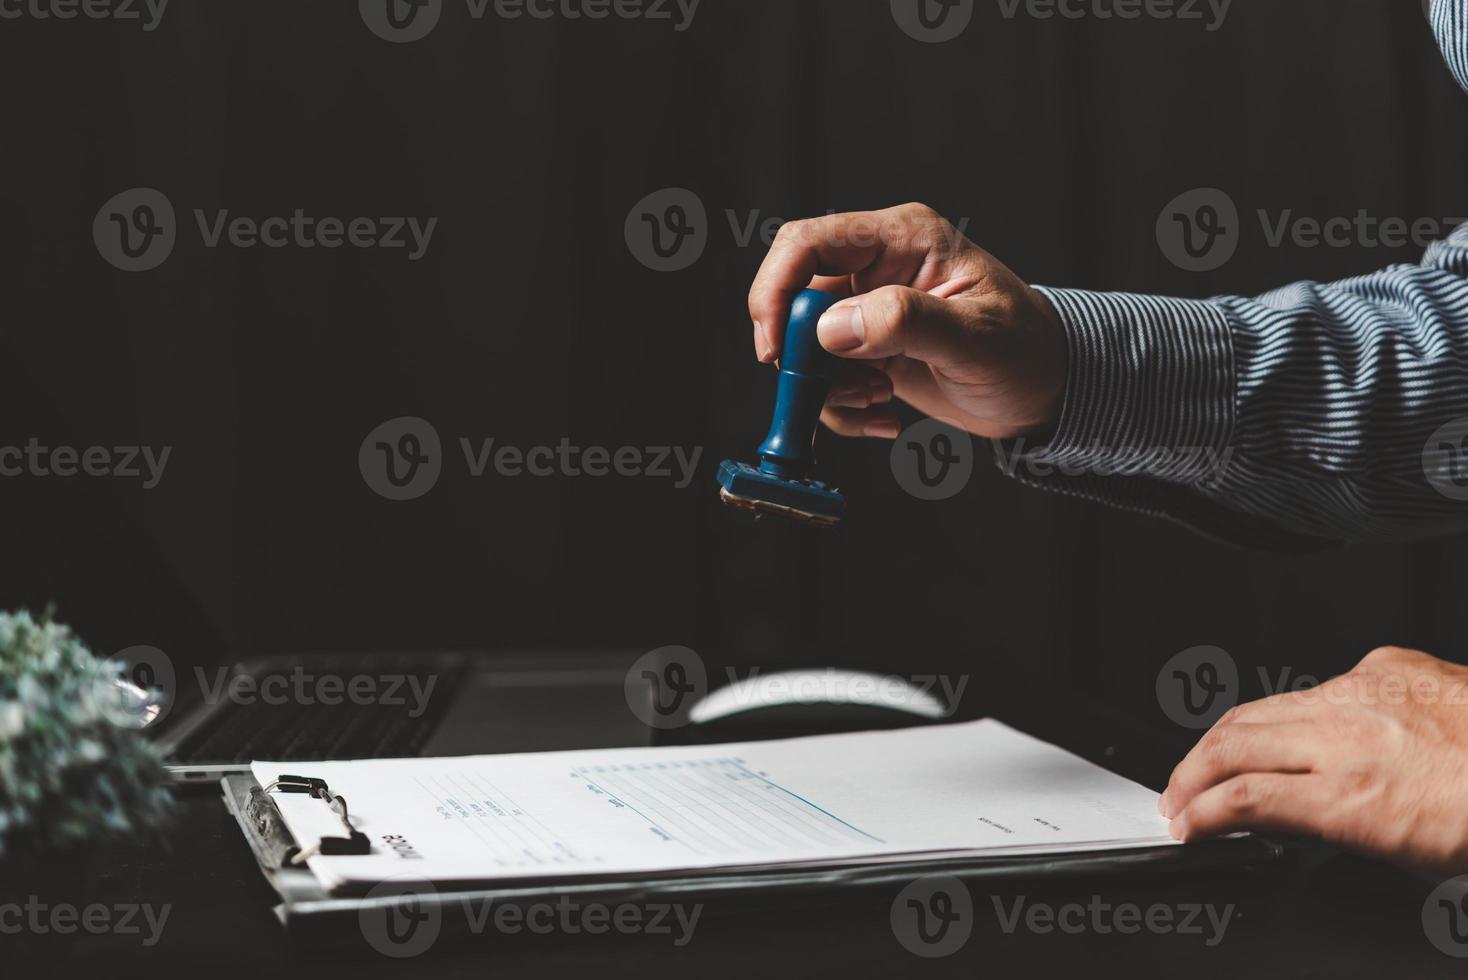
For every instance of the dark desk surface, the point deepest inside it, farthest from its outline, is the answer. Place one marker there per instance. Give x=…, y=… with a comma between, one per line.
x=1320, y=914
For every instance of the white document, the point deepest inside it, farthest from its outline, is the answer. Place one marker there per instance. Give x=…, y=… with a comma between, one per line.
x=978, y=788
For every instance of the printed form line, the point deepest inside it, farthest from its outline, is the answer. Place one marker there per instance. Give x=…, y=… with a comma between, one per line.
x=617, y=782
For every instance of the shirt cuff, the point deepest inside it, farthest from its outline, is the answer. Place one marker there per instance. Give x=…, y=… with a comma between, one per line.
x=1150, y=390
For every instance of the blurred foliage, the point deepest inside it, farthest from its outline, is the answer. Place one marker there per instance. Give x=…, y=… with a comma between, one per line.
x=74, y=767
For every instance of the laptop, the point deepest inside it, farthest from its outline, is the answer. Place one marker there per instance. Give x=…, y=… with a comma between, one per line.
x=217, y=719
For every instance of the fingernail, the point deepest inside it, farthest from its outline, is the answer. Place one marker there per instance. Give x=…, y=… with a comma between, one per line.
x=767, y=350
x=842, y=329
x=881, y=430
x=1162, y=804
x=1177, y=830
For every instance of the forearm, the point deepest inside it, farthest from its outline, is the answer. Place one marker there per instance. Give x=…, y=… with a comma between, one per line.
x=1295, y=418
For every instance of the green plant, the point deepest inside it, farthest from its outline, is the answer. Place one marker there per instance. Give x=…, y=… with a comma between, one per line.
x=74, y=768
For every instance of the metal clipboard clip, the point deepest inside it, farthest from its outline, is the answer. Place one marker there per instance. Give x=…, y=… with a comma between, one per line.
x=355, y=843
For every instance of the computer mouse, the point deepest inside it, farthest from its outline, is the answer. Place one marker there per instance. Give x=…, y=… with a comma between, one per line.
x=804, y=702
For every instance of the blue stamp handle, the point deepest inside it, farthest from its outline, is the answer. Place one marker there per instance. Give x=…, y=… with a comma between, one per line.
x=806, y=370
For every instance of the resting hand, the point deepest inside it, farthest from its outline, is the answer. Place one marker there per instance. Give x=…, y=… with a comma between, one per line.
x=1375, y=760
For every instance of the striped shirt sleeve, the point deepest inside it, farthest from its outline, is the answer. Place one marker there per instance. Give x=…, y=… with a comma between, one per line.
x=1450, y=23
x=1315, y=414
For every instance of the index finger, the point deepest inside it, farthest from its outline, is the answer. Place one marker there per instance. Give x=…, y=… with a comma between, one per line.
x=834, y=245
x=1291, y=804
x=1233, y=750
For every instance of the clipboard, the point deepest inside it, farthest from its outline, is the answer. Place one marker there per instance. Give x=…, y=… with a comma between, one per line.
x=315, y=919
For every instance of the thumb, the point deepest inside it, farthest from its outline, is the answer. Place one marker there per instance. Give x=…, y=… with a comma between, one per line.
x=897, y=320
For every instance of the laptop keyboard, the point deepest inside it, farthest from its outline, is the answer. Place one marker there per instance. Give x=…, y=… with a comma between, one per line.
x=294, y=732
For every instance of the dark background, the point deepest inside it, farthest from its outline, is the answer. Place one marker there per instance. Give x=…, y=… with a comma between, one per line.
x=530, y=320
